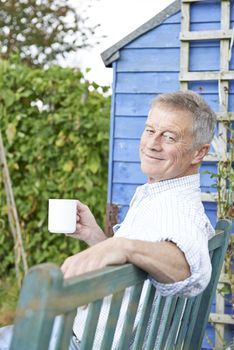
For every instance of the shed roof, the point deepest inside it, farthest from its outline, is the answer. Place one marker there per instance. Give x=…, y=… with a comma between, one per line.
x=112, y=54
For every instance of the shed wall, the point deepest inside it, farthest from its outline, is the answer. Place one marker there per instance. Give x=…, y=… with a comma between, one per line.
x=147, y=66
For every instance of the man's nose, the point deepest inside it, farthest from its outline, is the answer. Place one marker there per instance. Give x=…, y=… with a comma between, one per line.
x=155, y=142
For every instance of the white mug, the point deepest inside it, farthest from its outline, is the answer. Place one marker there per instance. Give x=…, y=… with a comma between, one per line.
x=62, y=215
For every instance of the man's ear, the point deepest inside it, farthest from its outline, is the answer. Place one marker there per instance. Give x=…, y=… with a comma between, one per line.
x=200, y=153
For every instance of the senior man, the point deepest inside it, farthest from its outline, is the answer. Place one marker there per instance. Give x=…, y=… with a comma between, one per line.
x=166, y=230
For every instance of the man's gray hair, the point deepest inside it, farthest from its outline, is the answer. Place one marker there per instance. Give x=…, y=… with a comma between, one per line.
x=204, y=119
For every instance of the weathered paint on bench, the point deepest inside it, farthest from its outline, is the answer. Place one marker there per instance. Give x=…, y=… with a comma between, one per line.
x=176, y=322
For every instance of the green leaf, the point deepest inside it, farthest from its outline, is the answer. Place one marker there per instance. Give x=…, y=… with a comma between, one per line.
x=68, y=166
x=11, y=132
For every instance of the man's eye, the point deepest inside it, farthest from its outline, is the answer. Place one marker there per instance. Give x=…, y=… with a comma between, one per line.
x=169, y=137
x=149, y=131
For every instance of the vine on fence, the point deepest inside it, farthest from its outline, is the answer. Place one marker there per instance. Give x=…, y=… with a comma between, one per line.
x=226, y=206
x=225, y=190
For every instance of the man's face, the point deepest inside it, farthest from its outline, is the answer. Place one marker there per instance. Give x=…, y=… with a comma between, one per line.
x=166, y=150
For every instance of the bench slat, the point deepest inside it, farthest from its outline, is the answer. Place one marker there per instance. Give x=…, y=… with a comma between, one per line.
x=164, y=327
x=155, y=323
x=112, y=320
x=144, y=319
x=184, y=323
x=85, y=289
x=192, y=321
x=66, y=331
x=126, y=333
x=176, y=323
x=91, y=325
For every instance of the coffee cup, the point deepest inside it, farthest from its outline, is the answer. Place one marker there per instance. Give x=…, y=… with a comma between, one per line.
x=62, y=215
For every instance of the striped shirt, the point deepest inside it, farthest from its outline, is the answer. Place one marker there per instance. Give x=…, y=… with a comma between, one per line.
x=169, y=210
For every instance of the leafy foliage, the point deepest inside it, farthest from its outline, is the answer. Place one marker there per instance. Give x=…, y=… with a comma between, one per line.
x=9, y=292
x=41, y=30
x=55, y=130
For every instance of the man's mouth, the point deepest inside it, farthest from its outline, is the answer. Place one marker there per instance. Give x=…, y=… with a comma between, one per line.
x=153, y=157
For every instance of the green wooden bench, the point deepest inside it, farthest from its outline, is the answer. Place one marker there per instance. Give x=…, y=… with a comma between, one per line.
x=175, y=322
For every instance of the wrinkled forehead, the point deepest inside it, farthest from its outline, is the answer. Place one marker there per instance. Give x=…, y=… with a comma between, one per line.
x=162, y=116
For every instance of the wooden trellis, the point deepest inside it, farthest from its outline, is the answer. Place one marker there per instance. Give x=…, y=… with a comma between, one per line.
x=225, y=35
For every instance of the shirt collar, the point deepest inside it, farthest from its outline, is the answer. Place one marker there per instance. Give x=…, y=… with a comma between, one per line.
x=191, y=181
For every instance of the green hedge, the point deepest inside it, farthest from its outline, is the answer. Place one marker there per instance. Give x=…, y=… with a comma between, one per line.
x=55, y=129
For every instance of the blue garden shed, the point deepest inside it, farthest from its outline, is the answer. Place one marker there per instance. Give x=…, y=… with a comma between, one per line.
x=189, y=45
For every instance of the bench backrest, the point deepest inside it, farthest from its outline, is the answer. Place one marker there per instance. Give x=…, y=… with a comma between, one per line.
x=164, y=322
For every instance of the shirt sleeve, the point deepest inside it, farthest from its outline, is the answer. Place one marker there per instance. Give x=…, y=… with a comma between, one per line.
x=200, y=269
x=190, y=235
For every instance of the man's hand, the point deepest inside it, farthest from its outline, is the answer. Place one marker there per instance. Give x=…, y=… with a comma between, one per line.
x=109, y=252
x=87, y=228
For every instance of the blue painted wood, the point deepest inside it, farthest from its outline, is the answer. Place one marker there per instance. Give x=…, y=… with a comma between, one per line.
x=133, y=104
x=198, y=58
x=122, y=194
x=122, y=212
x=147, y=82
x=176, y=18
x=207, y=182
x=111, y=137
x=208, y=342
x=200, y=26
x=149, y=60
x=207, y=87
x=165, y=35
x=128, y=173
x=231, y=102
x=129, y=127
x=211, y=211
x=205, y=12
x=232, y=10
x=231, y=63
x=126, y=150
x=167, y=60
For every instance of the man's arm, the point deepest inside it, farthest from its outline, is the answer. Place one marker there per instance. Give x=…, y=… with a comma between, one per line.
x=164, y=261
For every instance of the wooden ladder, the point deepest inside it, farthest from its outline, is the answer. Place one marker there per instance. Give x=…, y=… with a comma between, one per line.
x=226, y=35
